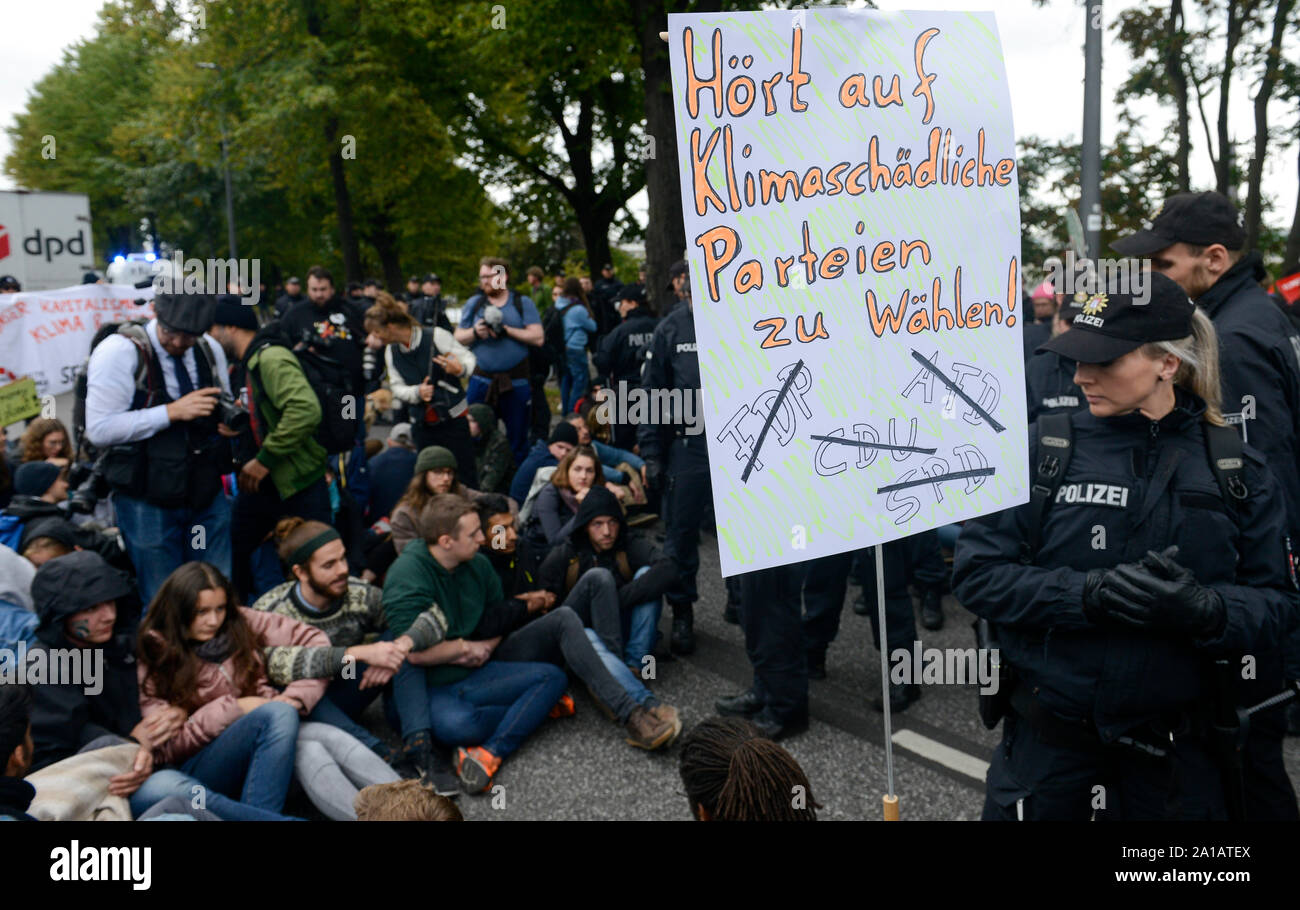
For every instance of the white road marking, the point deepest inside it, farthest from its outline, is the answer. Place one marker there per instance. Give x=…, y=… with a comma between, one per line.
x=947, y=756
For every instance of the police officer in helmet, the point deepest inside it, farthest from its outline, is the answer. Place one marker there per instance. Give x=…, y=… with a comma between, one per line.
x=1153, y=546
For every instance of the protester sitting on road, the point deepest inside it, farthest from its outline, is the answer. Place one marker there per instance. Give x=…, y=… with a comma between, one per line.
x=404, y=801
x=600, y=544
x=732, y=774
x=200, y=657
x=351, y=613
x=546, y=454
x=435, y=472
x=484, y=707
x=16, y=750
x=552, y=517
x=86, y=607
x=17, y=621
x=628, y=467
x=493, y=460
x=46, y=439
x=559, y=637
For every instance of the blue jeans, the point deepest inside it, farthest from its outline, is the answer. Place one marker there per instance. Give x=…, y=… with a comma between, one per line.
x=512, y=407
x=496, y=706
x=170, y=782
x=574, y=378
x=252, y=759
x=159, y=540
x=642, y=627
x=622, y=674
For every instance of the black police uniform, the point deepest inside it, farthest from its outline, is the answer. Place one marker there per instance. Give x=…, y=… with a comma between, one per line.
x=1259, y=355
x=620, y=357
x=1098, y=703
x=672, y=363
x=430, y=311
x=1050, y=388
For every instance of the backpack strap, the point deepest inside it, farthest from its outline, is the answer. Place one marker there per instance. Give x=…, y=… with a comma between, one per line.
x=135, y=333
x=1055, y=445
x=1227, y=461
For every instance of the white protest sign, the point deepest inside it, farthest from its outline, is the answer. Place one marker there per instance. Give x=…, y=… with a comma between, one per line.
x=853, y=232
x=47, y=334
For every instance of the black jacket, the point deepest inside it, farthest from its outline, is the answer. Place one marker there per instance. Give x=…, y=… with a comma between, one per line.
x=285, y=302
x=518, y=571
x=339, y=324
x=638, y=552
x=431, y=311
x=671, y=363
x=1035, y=333
x=1132, y=485
x=64, y=717
x=1259, y=355
x=1050, y=388
x=622, y=352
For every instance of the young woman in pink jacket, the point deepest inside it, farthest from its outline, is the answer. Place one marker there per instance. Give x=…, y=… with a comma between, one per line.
x=202, y=655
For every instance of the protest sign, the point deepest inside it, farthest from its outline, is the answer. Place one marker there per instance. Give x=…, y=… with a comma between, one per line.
x=18, y=401
x=853, y=232
x=46, y=334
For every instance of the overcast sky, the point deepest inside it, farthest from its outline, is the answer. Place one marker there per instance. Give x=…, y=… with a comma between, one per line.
x=1043, y=49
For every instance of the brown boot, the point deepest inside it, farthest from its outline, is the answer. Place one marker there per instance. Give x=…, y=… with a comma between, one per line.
x=645, y=731
x=668, y=714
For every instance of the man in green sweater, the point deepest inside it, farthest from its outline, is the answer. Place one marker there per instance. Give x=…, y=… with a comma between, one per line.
x=285, y=475
x=485, y=707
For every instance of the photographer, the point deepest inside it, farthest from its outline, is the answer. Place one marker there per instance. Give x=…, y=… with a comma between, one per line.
x=424, y=366
x=165, y=457
x=1113, y=608
x=287, y=475
x=500, y=327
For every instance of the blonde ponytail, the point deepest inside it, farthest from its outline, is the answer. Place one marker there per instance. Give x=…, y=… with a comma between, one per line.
x=1198, y=370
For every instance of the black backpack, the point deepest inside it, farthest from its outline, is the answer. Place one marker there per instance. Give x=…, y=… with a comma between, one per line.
x=330, y=379
x=553, y=333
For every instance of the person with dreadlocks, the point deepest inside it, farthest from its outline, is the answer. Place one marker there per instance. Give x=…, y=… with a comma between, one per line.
x=733, y=774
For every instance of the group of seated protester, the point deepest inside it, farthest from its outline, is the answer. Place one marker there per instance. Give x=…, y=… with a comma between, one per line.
x=468, y=641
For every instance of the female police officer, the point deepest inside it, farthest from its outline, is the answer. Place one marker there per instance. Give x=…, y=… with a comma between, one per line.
x=1136, y=565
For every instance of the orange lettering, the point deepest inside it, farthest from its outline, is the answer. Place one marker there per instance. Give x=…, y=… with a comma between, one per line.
x=776, y=324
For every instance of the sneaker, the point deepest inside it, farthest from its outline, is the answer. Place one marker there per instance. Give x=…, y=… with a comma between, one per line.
x=931, y=609
x=668, y=714
x=476, y=767
x=433, y=766
x=564, y=707
x=645, y=731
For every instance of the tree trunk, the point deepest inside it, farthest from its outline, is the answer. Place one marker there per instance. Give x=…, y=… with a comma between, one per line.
x=384, y=239
x=1175, y=40
x=1254, y=203
x=1291, y=258
x=594, y=226
x=343, y=205
x=665, y=235
x=1238, y=14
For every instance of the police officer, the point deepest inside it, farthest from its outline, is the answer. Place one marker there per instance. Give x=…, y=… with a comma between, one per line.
x=1049, y=378
x=1198, y=242
x=429, y=309
x=677, y=462
x=621, y=353
x=1161, y=550
x=151, y=399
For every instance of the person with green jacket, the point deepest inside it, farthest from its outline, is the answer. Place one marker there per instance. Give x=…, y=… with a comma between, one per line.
x=494, y=461
x=286, y=476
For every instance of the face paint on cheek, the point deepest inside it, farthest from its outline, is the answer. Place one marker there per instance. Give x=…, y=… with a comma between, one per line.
x=81, y=629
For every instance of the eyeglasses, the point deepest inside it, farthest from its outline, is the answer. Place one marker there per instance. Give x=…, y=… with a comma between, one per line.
x=182, y=337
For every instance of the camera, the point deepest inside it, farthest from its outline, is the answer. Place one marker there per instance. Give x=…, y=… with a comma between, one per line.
x=88, y=485
x=232, y=413
x=492, y=316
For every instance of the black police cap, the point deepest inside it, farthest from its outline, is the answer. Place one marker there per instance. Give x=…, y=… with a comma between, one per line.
x=1200, y=219
x=1105, y=326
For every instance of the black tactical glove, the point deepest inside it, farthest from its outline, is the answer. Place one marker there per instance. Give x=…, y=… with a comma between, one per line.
x=1092, y=608
x=1158, y=593
x=654, y=475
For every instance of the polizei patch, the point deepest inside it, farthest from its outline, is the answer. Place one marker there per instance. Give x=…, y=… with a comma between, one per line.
x=1097, y=494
